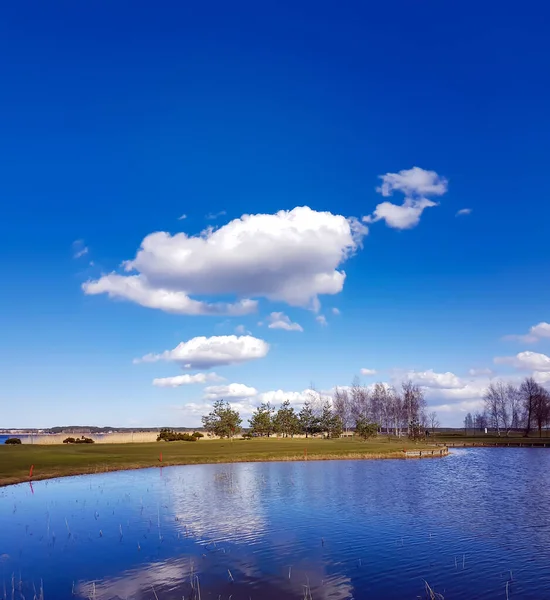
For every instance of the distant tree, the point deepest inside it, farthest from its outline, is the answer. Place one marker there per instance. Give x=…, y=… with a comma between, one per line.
x=480, y=421
x=309, y=422
x=434, y=421
x=414, y=404
x=223, y=421
x=365, y=429
x=417, y=431
x=13, y=441
x=342, y=404
x=468, y=423
x=286, y=420
x=330, y=422
x=541, y=410
x=262, y=420
x=529, y=392
x=494, y=398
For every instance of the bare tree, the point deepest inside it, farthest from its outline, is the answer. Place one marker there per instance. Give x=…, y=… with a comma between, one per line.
x=494, y=399
x=360, y=401
x=529, y=391
x=541, y=410
x=414, y=404
x=434, y=422
x=341, y=403
x=468, y=423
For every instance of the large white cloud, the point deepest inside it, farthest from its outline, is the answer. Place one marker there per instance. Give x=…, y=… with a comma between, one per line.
x=278, y=320
x=417, y=185
x=535, y=334
x=291, y=256
x=205, y=353
x=186, y=379
x=231, y=391
x=526, y=361
x=136, y=288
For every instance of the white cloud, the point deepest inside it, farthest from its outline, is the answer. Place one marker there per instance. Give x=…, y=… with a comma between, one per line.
x=278, y=320
x=413, y=182
x=336, y=311
x=322, y=320
x=459, y=409
x=484, y=372
x=136, y=289
x=232, y=391
x=368, y=372
x=416, y=184
x=205, y=353
x=535, y=334
x=542, y=377
x=430, y=379
x=182, y=217
x=242, y=330
x=79, y=249
x=292, y=256
x=186, y=379
x=526, y=361
x=463, y=211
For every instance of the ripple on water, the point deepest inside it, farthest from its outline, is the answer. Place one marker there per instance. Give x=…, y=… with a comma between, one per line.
x=469, y=524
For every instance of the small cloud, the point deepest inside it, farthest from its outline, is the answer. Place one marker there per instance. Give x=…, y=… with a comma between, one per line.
x=79, y=248
x=186, y=379
x=278, y=320
x=212, y=216
x=535, y=334
x=322, y=320
x=336, y=311
x=417, y=185
x=525, y=361
x=368, y=372
x=480, y=372
x=182, y=217
x=241, y=330
x=463, y=211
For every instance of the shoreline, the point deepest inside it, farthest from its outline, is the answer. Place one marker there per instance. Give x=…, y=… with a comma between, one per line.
x=61, y=471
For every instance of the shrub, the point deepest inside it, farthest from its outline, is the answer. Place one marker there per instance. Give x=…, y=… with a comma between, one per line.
x=80, y=440
x=365, y=429
x=167, y=435
x=198, y=435
x=247, y=436
x=13, y=441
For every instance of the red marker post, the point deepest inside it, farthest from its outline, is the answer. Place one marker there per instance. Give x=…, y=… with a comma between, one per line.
x=30, y=472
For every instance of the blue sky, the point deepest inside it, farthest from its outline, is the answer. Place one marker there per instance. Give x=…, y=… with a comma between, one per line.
x=119, y=119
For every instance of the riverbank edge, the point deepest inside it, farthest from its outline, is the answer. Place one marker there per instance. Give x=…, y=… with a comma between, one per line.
x=95, y=470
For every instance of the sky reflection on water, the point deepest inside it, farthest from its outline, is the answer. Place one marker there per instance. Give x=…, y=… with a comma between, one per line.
x=467, y=524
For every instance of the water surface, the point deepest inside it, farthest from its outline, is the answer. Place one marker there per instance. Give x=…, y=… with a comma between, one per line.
x=475, y=524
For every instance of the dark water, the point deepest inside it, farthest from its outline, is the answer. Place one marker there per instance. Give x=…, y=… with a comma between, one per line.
x=473, y=525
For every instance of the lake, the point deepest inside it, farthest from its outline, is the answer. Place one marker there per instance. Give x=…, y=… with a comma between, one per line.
x=475, y=524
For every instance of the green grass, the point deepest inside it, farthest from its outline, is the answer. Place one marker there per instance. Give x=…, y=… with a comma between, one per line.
x=62, y=460
x=492, y=438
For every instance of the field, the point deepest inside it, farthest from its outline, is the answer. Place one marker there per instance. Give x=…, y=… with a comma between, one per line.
x=62, y=460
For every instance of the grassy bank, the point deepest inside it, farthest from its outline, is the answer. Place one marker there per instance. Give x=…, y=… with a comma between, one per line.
x=513, y=438
x=63, y=460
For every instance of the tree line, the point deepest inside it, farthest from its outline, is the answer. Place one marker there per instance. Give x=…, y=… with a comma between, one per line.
x=358, y=409
x=508, y=407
